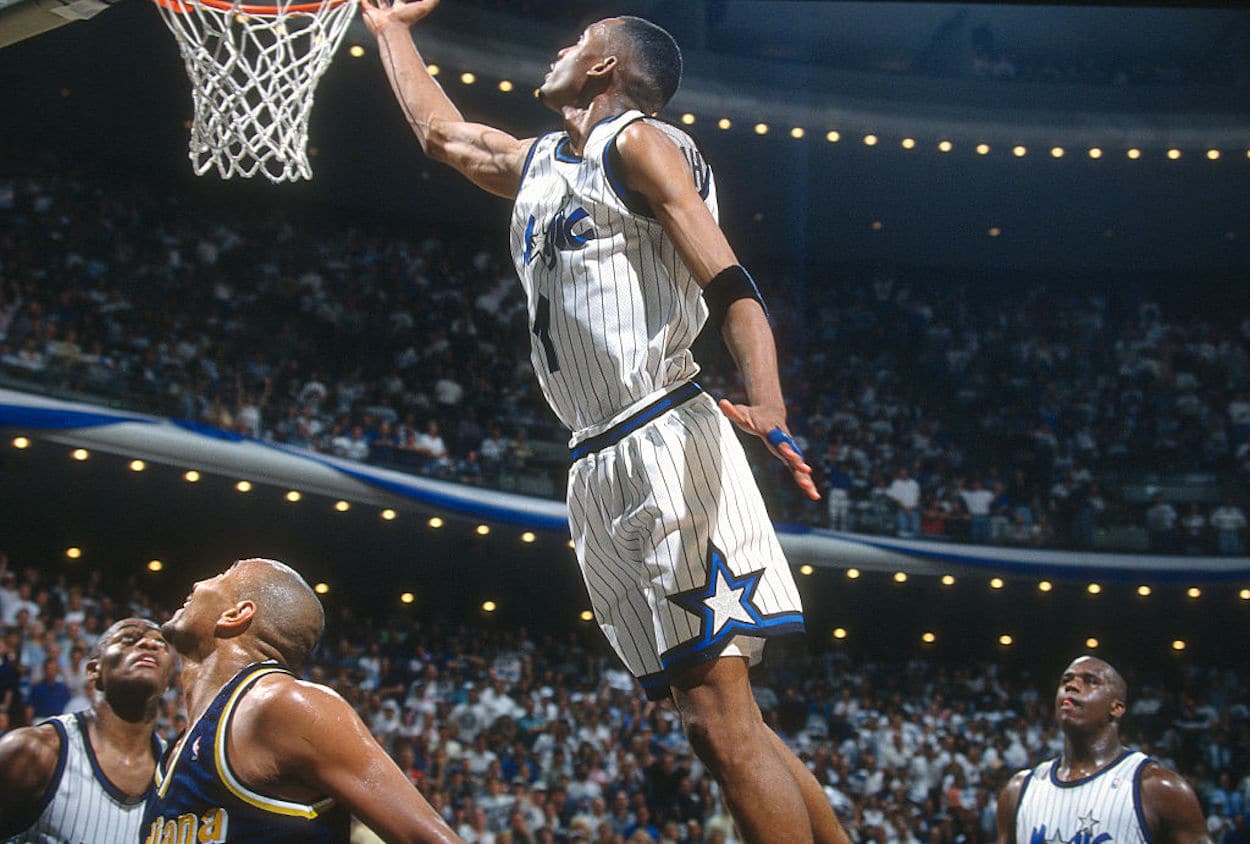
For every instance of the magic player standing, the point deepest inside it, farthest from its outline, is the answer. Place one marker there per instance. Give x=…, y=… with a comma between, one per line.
x=83, y=776
x=615, y=239
x=1097, y=792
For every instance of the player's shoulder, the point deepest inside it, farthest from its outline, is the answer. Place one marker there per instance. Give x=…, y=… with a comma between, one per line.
x=281, y=698
x=1015, y=785
x=29, y=755
x=1160, y=783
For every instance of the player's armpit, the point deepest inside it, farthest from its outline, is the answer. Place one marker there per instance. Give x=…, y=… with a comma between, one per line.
x=28, y=758
x=317, y=739
x=655, y=167
x=1008, y=800
x=1171, y=808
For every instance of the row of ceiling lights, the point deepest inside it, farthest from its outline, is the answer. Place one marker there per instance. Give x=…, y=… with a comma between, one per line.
x=1006, y=640
x=436, y=522
x=870, y=139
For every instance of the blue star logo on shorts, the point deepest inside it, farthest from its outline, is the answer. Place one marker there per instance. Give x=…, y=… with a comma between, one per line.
x=724, y=603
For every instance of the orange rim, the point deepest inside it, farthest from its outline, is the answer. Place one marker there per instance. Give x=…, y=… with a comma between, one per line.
x=260, y=10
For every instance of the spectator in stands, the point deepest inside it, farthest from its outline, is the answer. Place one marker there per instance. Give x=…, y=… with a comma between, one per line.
x=904, y=491
x=977, y=500
x=50, y=695
x=1161, y=524
x=1229, y=523
x=1193, y=530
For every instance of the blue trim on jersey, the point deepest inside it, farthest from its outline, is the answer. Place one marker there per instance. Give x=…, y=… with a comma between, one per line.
x=101, y=777
x=1054, y=771
x=632, y=423
x=1024, y=786
x=618, y=187
x=1137, y=803
x=529, y=157
x=62, y=759
x=564, y=153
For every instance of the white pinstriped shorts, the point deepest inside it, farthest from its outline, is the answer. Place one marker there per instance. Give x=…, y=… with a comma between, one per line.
x=675, y=546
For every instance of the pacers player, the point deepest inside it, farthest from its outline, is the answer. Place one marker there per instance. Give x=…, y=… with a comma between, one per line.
x=615, y=239
x=269, y=757
x=83, y=776
x=1098, y=791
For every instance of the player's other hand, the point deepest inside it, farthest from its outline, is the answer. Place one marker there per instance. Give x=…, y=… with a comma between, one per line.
x=380, y=13
x=770, y=427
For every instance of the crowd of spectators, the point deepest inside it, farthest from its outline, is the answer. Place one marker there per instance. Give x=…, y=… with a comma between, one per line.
x=1013, y=414
x=516, y=737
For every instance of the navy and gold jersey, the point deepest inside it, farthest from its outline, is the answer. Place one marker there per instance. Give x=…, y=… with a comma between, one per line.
x=198, y=799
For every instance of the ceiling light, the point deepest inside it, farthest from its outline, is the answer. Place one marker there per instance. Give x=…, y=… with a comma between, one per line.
x=1044, y=586
x=945, y=146
x=21, y=442
x=191, y=476
x=806, y=570
x=852, y=573
x=833, y=136
x=389, y=514
x=839, y=632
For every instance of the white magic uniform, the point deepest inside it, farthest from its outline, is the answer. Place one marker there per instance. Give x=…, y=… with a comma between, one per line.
x=671, y=533
x=1103, y=808
x=81, y=806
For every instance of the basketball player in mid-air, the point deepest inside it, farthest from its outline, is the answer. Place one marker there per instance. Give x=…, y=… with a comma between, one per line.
x=1098, y=791
x=83, y=776
x=616, y=241
x=269, y=757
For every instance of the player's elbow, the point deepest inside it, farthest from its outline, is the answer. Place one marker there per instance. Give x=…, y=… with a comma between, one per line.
x=437, y=140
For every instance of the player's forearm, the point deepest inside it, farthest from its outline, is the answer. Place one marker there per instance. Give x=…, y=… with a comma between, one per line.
x=749, y=339
x=422, y=99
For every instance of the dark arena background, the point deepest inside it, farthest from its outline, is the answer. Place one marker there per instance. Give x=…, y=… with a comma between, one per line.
x=1006, y=251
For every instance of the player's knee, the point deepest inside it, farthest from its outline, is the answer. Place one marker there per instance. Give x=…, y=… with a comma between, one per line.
x=722, y=743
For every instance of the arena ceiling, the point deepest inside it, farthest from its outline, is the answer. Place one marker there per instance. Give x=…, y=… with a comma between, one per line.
x=110, y=94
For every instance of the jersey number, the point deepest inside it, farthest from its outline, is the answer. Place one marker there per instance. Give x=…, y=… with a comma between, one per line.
x=542, y=330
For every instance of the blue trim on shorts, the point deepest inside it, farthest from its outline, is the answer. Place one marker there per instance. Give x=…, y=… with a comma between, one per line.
x=632, y=423
x=697, y=651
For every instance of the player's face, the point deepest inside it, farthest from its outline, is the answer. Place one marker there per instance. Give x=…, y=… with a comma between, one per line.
x=567, y=75
x=135, y=654
x=1087, y=695
x=197, y=618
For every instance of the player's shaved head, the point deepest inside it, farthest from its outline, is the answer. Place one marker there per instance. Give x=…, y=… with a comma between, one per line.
x=289, y=616
x=653, y=73
x=1115, y=681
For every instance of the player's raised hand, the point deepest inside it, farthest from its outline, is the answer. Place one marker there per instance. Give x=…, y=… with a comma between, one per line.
x=773, y=432
x=378, y=13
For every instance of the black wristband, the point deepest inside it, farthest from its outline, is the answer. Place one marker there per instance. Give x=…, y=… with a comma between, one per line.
x=726, y=287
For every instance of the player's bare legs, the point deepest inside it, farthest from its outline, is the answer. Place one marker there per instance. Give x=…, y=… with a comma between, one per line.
x=758, y=774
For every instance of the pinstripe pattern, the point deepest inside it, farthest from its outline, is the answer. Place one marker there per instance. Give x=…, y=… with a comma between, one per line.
x=623, y=307
x=85, y=808
x=672, y=537
x=1104, y=808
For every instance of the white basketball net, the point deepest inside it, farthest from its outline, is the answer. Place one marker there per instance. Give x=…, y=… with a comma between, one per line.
x=253, y=75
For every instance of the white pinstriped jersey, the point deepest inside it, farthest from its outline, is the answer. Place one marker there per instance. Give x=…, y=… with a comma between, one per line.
x=613, y=309
x=81, y=805
x=1103, y=808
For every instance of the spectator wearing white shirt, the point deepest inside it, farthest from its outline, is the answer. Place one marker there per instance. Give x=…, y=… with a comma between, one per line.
x=977, y=500
x=1229, y=522
x=904, y=491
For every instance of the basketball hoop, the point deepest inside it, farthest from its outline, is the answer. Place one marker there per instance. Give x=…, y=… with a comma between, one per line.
x=254, y=68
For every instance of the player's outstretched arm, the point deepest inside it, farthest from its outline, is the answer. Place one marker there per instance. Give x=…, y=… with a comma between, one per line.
x=490, y=158
x=656, y=168
x=309, y=735
x=1173, y=815
x=1008, y=800
x=28, y=758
